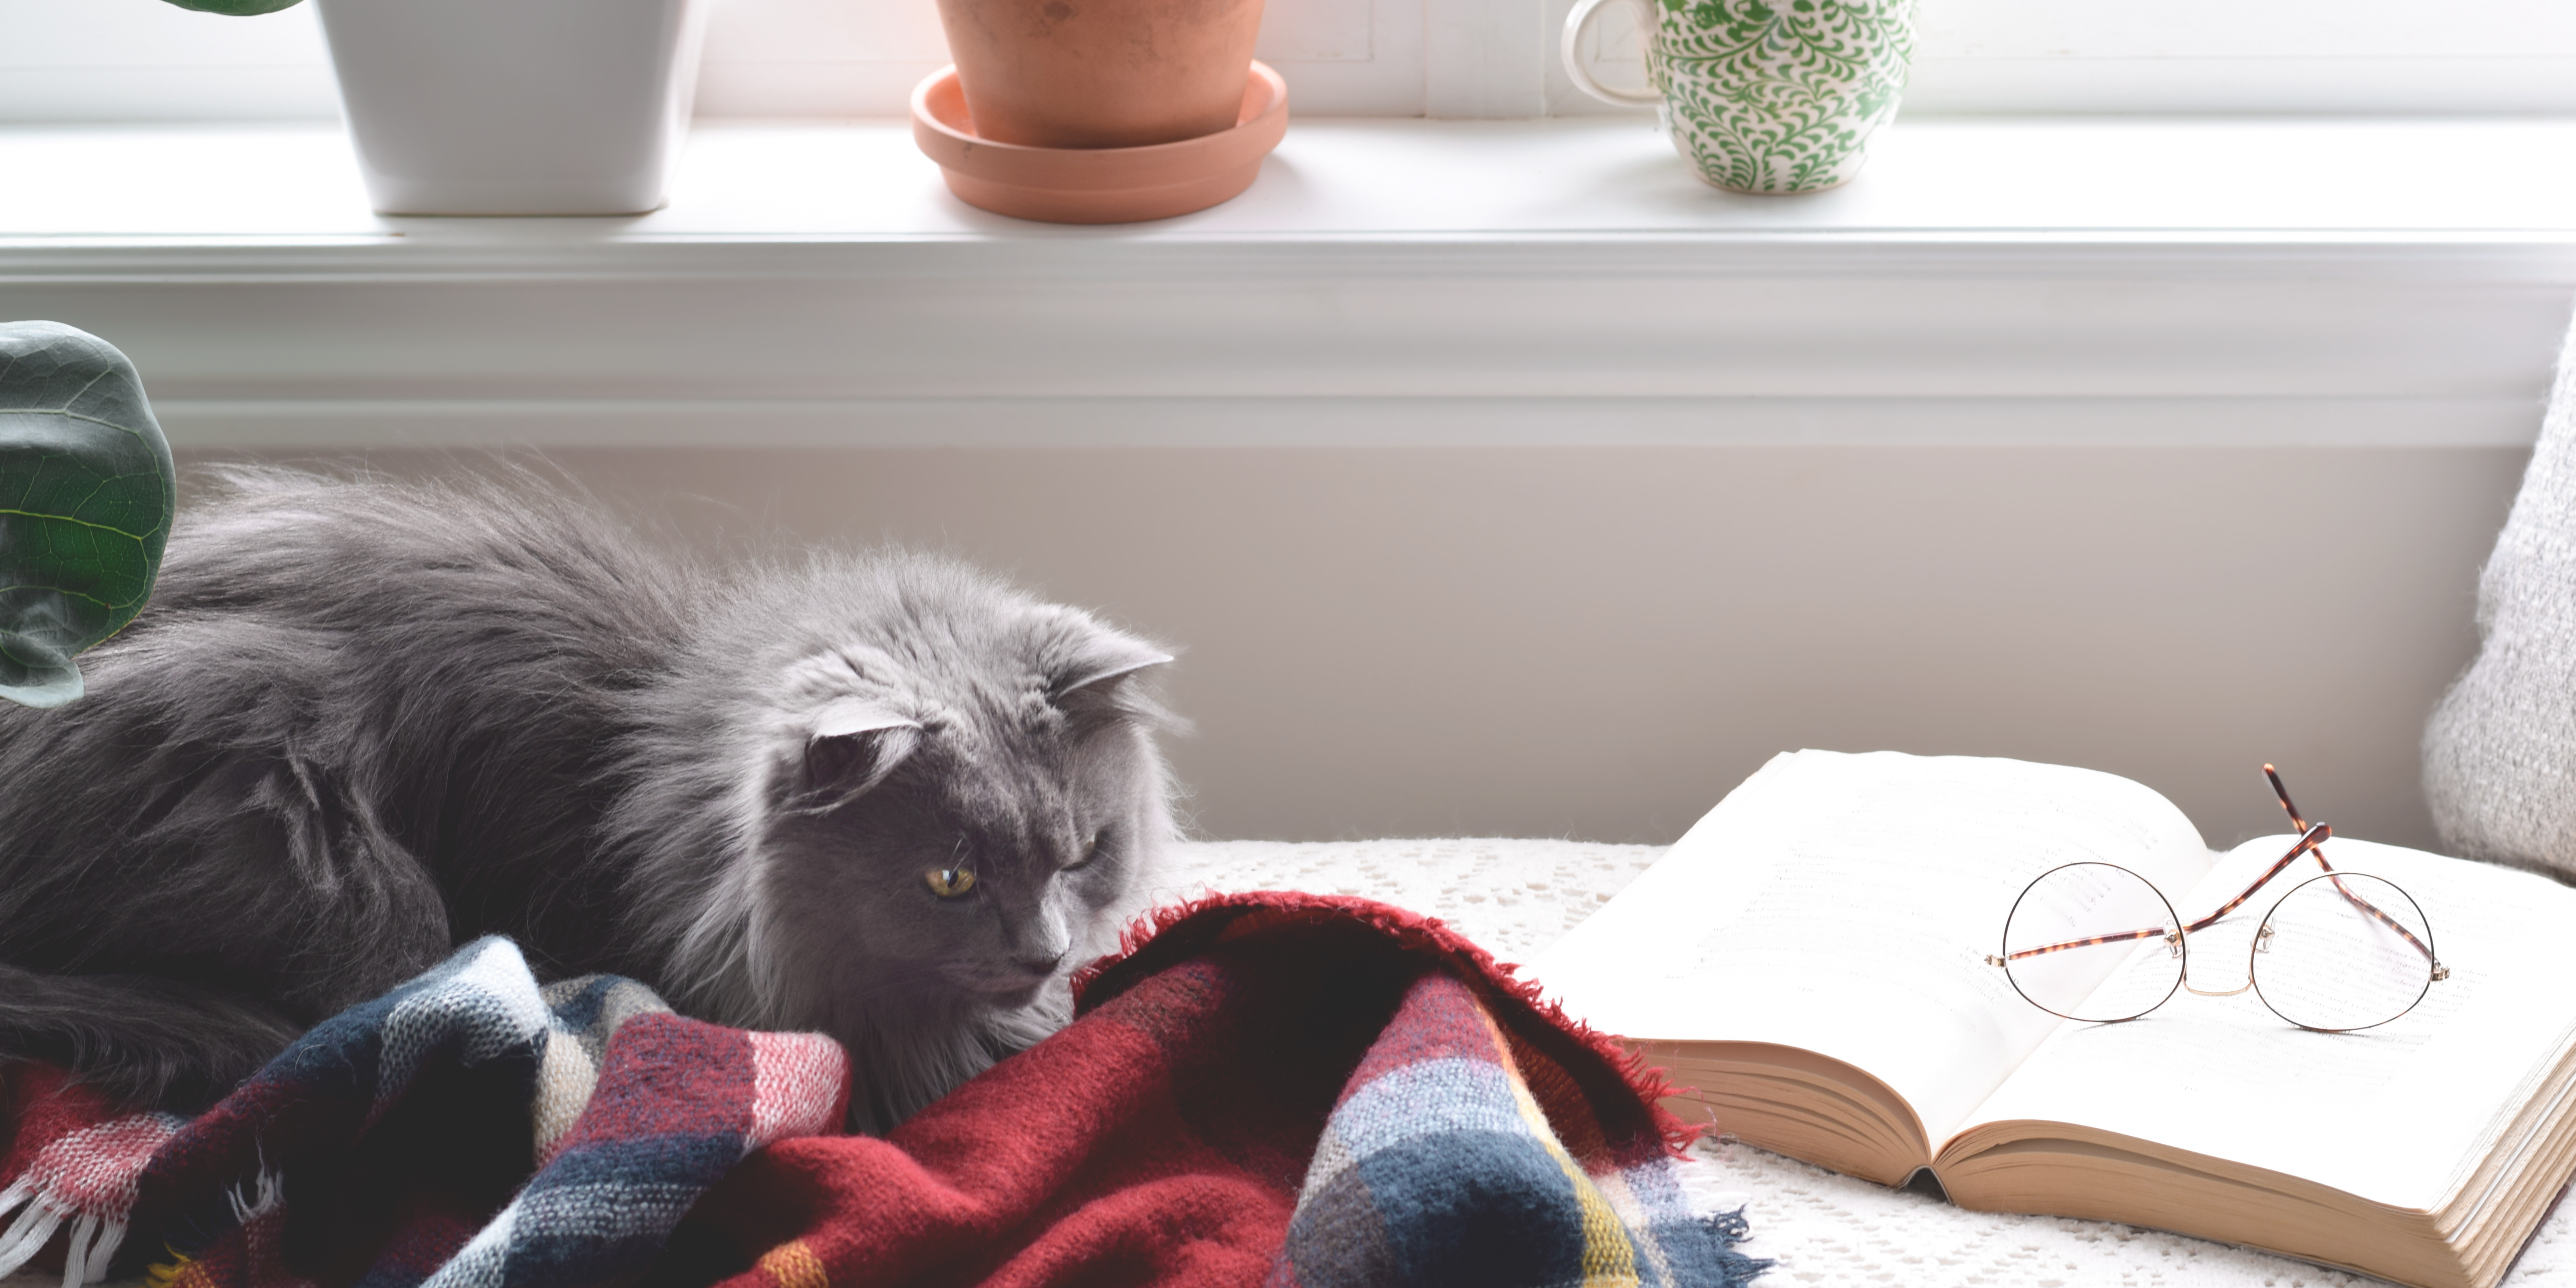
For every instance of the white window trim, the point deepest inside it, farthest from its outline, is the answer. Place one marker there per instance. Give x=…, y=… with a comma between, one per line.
x=1985, y=281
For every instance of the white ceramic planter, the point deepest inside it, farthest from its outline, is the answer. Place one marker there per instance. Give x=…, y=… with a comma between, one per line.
x=516, y=107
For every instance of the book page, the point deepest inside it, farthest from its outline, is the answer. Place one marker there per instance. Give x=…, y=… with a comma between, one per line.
x=2400, y=1114
x=1844, y=904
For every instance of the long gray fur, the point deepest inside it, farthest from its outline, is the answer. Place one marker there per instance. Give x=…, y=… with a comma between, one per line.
x=364, y=721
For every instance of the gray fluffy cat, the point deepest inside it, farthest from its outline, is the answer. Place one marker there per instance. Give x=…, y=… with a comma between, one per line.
x=885, y=796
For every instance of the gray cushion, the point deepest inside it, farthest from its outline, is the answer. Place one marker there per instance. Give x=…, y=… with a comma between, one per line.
x=2500, y=750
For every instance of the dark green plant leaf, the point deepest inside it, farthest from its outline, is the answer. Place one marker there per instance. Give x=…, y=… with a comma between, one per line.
x=237, y=8
x=86, y=493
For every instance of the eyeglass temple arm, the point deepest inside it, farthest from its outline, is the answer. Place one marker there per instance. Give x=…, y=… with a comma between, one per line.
x=2124, y=936
x=2274, y=777
x=2310, y=840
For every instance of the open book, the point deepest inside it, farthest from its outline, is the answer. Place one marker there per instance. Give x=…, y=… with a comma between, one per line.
x=1812, y=958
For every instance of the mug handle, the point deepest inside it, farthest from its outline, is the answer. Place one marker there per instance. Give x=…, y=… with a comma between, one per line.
x=1566, y=48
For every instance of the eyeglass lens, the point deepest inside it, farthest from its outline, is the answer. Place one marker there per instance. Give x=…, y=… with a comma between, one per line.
x=2073, y=931
x=2343, y=951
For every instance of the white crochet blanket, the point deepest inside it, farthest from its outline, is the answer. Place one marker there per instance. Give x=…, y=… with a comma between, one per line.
x=1515, y=897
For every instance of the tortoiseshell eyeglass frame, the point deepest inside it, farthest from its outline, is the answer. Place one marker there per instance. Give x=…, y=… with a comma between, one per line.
x=2312, y=839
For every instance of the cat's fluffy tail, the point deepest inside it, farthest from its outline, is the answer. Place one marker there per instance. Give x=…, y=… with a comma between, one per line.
x=146, y=1041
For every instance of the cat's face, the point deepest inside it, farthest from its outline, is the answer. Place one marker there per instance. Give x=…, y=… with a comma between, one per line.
x=960, y=881
x=954, y=838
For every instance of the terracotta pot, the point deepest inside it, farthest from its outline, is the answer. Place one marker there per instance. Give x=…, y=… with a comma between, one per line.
x=1101, y=73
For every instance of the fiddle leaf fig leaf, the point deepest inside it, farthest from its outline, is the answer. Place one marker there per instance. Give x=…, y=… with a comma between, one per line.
x=87, y=488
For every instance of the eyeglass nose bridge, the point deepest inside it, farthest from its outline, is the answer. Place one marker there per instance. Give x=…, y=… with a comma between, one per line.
x=2262, y=943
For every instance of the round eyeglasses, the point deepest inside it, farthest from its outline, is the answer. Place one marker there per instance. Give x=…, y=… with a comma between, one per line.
x=2340, y=951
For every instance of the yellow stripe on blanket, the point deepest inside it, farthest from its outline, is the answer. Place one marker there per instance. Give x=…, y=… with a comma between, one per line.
x=793, y=1265
x=1609, y=1260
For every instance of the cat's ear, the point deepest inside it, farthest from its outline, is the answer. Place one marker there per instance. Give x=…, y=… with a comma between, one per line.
x=853, y=745
x=1102, y=678
x=1110, y=659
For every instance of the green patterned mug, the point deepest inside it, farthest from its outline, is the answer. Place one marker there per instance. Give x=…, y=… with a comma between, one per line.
x=1763, y=96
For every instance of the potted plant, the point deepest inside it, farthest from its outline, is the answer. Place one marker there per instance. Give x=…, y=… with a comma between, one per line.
x=1100, y=111
x=511, y=107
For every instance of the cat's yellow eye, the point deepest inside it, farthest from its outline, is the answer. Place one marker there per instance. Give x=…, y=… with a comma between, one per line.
x=949, y=883
x=1089, y=853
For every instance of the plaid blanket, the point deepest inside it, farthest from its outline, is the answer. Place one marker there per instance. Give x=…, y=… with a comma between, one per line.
x=1277, y=1089
x=407, y=1128
x=1283, y=1090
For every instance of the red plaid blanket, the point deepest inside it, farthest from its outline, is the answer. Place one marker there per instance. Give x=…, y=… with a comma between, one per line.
x=1270, y=1089
x=1276, y=1089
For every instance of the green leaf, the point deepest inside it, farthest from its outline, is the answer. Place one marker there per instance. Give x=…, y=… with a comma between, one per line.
x=86, y=493
x=237, y=8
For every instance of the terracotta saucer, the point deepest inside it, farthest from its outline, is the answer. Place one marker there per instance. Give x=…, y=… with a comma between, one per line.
x=1097, y=185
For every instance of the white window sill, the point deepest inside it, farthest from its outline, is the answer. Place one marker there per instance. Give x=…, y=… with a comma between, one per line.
x=2072, y=280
